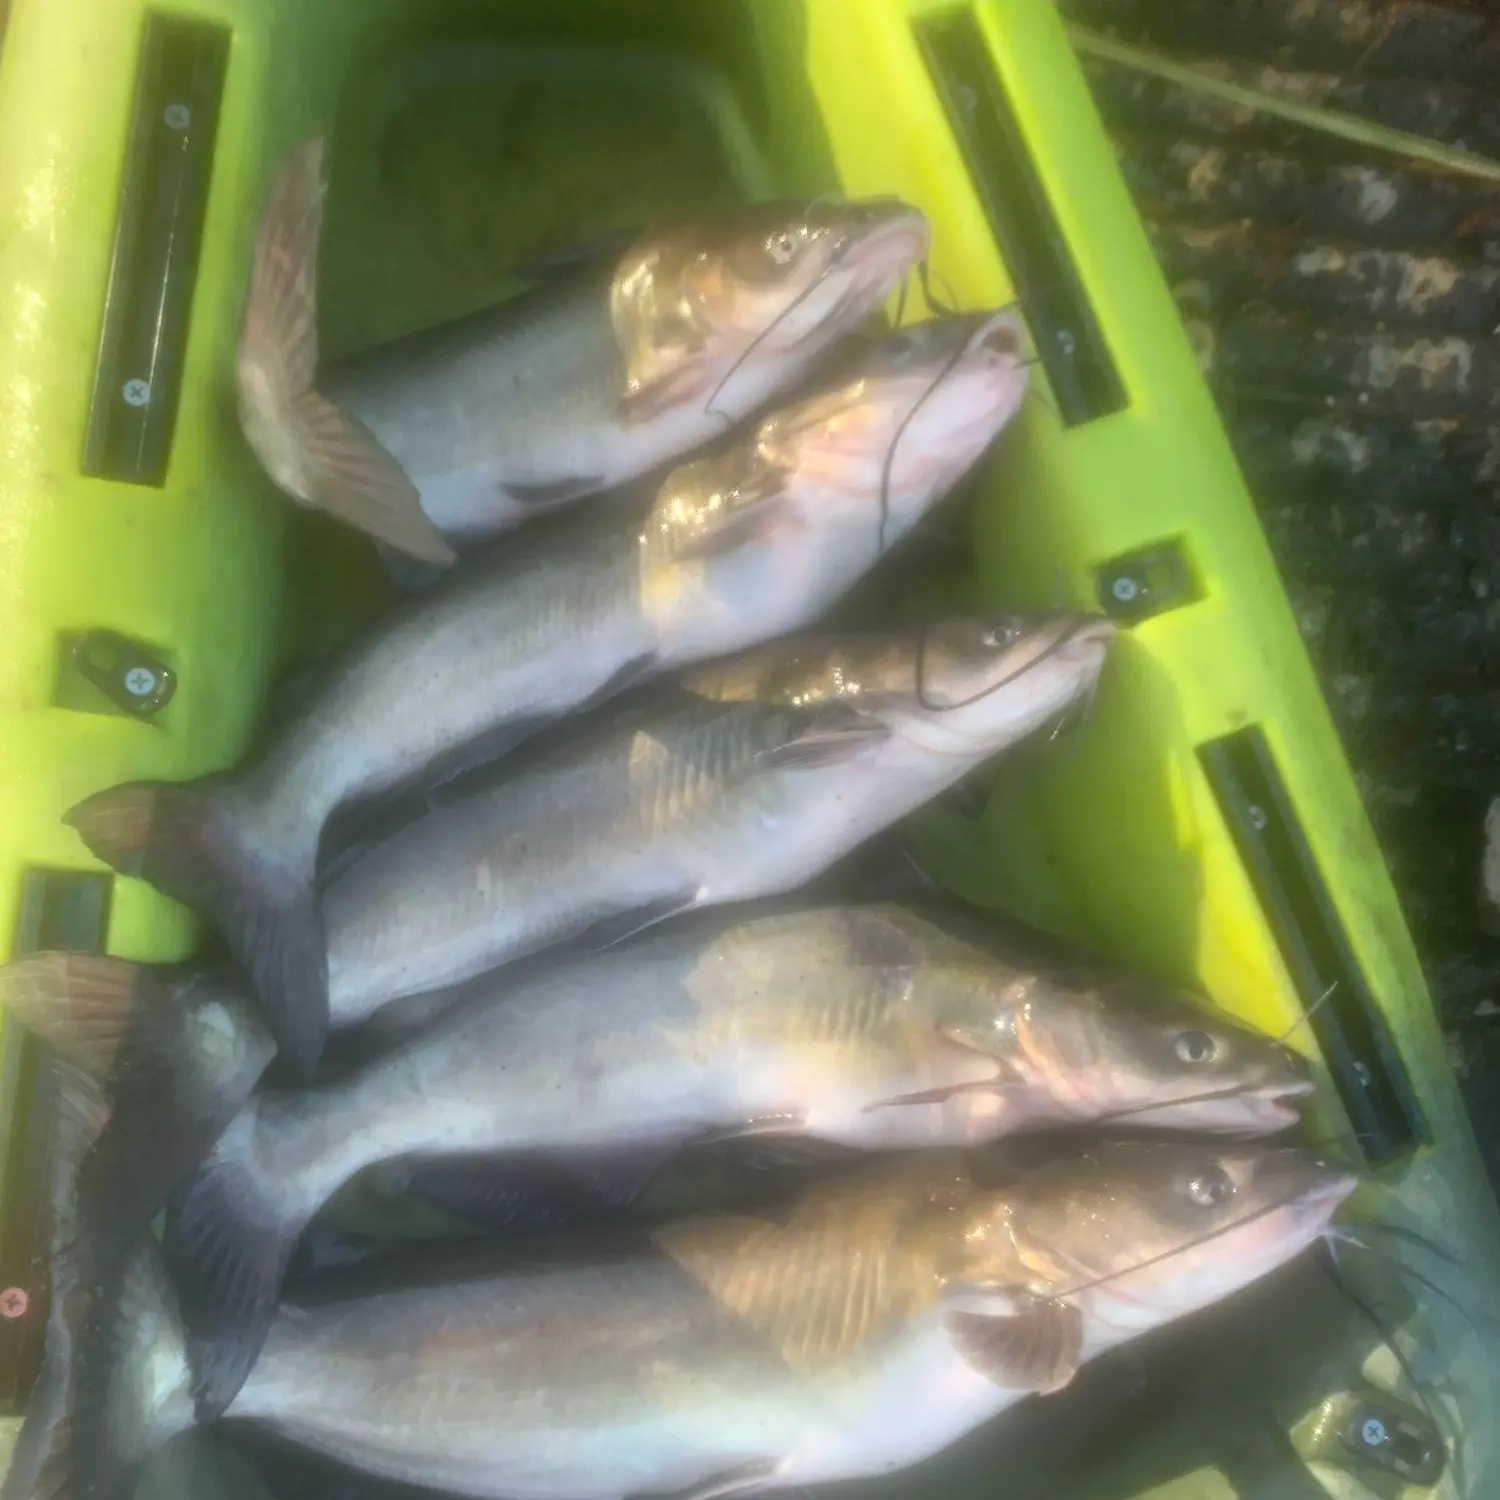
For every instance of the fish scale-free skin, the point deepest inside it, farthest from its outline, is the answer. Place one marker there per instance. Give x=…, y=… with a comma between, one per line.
x=798, y=1349
x=514, y=410
x=810, y=1018
x=732, y=549
x=862, y=1026
x=629, y=357
x=741, y=1342
x=683, y=802
x=641, y=819
x=531, y=1379
x=506, y=393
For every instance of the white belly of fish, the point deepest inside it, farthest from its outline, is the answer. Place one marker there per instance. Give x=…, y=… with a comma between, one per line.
x=915, y=1403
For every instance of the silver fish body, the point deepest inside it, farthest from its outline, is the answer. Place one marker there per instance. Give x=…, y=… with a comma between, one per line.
x=866, y=1026
x=619, y=365
x=889, y=1314
x=686, y=801
x=730, y=550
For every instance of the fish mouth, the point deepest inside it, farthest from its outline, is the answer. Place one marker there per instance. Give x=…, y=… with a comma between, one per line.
x=1260, y=1110
x=888, y=245
x=1274, y=1106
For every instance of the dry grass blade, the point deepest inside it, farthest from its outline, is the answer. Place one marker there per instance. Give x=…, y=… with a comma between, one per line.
x=1348, y=127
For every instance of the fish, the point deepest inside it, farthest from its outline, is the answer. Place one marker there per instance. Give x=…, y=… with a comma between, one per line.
x=876, y=1319
x=861, y=1026
x=615, y=365
x=150, y=1060
x=736, y=780
x=730, y=550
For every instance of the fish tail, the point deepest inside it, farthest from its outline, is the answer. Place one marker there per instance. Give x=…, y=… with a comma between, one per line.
x=116, y=1385
x=154, y=1072
x=230, y=1235
x=316, y=452
x=254, y=882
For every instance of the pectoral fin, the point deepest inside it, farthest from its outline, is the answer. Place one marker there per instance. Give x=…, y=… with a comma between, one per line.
x=830, y=738
x=1018, y=1340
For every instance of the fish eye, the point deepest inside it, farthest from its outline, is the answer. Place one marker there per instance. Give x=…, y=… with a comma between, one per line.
x=781, y=246
x=1196, y=1047
x=997, y=637
x=1210, y=1187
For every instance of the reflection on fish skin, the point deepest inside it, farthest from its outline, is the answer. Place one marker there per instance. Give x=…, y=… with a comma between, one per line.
x=533, y=1103
x=743, y=779
x=728, y=551
x=617, y=365
x=891, y=1311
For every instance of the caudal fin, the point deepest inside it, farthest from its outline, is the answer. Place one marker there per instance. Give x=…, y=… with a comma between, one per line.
x=91, y=1418
x=317, y=453
x=188, y=842
x=116, y=1386
x=157, y=1065
x=229, y=1238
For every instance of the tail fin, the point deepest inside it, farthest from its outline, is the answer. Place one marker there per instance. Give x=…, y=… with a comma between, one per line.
x=79, y=1438
x=315, y=452
x=158, y=1065
x=188, y=842
x=117, y=1385
x=228, y=1243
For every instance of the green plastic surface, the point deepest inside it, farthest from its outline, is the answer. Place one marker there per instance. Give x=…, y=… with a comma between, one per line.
x=467, y=137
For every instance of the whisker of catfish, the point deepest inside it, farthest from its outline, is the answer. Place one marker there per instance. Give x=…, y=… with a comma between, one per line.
x=1406, y=1271
x=901, y=293
x=1333, y=1269
x=1308, y=1013
x=1342, y=1141
x=1203, y=1239
x=754, y=345
x=1414, y=1238
x=943, y=308
x=1206, y=1097
x=887, y=468
x=1036, y=393
x=927, y=702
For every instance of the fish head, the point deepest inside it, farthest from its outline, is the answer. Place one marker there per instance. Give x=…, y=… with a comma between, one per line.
x=1138, y=1233
x=1099, y=1047
x=771, y=286
x=967, y=687
x=903, y=418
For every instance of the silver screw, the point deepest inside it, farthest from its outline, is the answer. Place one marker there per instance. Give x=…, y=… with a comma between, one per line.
x=1362, y=1072
x=1066, y=342
x=137, y=392
x=1257, y=816
x=140, y=681
x=1373, y=1433
x=1125, y=588
x=177, y=116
